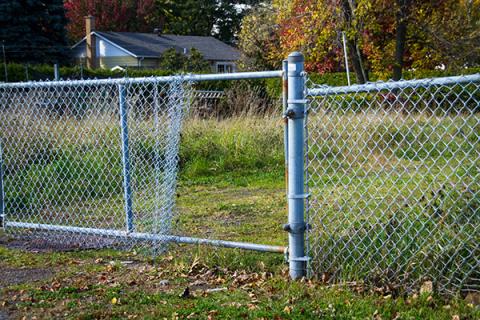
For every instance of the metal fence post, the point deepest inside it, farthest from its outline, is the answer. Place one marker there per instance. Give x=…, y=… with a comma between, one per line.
x=296, y=190
x=285, y=107
x=56, y=72
x=125, y=158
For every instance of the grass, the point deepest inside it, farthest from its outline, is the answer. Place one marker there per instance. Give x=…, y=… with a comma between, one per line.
x=396, y=197
x=231, y=187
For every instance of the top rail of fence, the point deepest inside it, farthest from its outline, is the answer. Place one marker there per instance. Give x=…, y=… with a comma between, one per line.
x=389, y=85
x=163, y=79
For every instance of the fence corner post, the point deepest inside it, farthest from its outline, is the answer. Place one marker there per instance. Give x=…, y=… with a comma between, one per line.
x=295, y=114
x=127, y=189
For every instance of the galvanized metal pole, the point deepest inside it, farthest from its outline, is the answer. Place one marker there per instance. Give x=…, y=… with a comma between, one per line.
x=56, y=72
x=4, y=61
x=284, y=107
x=296, y=190
x=125, y=158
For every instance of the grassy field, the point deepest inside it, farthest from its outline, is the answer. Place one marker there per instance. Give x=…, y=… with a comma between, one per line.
x=231, y=187
x=222, y=284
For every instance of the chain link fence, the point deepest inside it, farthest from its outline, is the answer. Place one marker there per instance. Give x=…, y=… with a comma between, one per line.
x=86, y=162
x=393, y=176
x=94, y=163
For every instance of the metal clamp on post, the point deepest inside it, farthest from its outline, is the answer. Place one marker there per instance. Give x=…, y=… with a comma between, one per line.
x=296, y=228
x=296, y=109
x=295, y=113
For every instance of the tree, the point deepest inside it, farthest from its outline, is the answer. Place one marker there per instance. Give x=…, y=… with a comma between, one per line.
x=228, y=18
x=353, y=26
x=33, y=31
x=111, y=15
x=450, y=30
x=227, y=21
x=403, y=12
x=189, y=18
x=195, y=62
x=257, y=39
x=383, y=36
x=219, y=18
x=172, y=60
x=310, y=26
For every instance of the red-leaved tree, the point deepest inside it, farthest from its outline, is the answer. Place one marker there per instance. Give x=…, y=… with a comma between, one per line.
x=111, y=15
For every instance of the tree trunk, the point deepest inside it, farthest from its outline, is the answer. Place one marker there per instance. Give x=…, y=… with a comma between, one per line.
x=355, y=57
x=401, y=37
x=353, y=47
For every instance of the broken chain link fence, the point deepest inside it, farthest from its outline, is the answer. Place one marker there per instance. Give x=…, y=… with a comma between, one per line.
x=393, y=176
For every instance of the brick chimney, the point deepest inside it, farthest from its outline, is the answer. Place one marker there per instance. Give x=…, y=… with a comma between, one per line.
x=91, y=42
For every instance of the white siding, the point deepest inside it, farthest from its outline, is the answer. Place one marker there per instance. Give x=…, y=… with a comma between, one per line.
x=105, y=49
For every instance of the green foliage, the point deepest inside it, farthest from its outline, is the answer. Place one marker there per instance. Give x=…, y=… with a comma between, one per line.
x=195, y=62
x=33, y=31
x=257, y=40
x=210, y=147
x=174, y=61
x=26, y=72
x=187, y=17
x=220, y=19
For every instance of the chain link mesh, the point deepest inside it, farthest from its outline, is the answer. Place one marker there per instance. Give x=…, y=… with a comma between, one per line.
x=393, y=173
x=61, y=146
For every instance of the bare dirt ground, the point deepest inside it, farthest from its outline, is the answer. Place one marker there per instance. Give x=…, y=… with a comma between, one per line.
x=16, y=276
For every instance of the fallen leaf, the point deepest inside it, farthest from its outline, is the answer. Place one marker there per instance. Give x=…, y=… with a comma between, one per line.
x=427, y=287
x=233, y=304
x=216, y=289
x=251, y=306
x=473, y=298
x=287, y=309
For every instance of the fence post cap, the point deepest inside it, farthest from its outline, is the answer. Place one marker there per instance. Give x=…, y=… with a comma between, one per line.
x=296, y=57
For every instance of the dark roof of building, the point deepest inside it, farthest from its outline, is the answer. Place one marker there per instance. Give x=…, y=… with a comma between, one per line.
x=153, y=45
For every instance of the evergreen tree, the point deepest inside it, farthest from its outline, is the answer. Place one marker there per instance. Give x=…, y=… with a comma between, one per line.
x=33, y=31
x=195, y=62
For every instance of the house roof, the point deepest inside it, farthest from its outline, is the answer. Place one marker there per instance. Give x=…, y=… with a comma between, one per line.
x=153, y=45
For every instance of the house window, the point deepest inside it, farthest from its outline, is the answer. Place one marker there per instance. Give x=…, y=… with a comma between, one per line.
x=225, y=68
